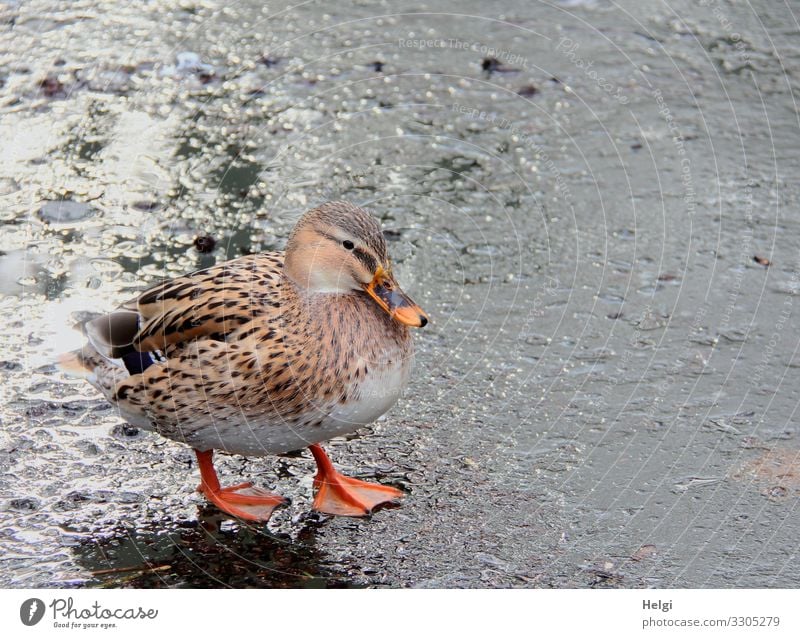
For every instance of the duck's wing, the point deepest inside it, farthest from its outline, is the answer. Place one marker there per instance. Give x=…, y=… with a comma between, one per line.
x=209, y=303
x=183, y=347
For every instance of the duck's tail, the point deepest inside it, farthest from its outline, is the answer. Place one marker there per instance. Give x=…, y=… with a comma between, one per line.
x=110, y=350
x=101, y=372
x=74, y=364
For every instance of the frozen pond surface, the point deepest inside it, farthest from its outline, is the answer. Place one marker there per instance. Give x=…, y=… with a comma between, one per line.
x=596, y=202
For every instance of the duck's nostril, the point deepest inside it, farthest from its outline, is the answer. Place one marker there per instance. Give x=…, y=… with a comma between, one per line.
x=423, y=321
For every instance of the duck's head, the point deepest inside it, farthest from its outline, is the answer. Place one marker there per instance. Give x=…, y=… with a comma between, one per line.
x=339, y=248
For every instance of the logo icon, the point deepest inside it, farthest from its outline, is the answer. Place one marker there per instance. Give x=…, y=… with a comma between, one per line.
x=31, y=611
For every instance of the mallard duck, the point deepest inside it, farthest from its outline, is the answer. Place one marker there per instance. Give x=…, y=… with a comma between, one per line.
x=265, y=354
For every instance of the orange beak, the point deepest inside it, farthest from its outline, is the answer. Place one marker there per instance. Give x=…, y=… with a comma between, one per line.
x=384, y=290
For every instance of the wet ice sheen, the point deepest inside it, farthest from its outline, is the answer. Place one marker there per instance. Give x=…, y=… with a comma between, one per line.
x=602, y=374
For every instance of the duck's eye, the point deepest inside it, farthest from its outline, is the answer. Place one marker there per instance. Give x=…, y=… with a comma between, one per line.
x=348, y=244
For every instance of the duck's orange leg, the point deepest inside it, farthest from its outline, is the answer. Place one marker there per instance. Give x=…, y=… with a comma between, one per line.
x=345, y=496
x=242, y=501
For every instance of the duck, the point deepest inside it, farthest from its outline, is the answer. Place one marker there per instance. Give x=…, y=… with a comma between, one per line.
x=265, y=354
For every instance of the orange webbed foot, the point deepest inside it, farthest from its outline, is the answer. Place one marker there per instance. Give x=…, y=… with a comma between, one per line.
x=344, y=496
x=242, y=501
x=247, y=503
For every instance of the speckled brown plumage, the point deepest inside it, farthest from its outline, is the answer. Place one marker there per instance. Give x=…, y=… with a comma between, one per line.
x=265, y=353
x=240, y=336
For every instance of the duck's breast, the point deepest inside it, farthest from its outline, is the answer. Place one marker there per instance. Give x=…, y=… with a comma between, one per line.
x=373, y=395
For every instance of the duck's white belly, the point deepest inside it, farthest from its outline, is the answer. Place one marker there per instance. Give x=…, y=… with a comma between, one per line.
x=377, y=393
x=269, y=433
